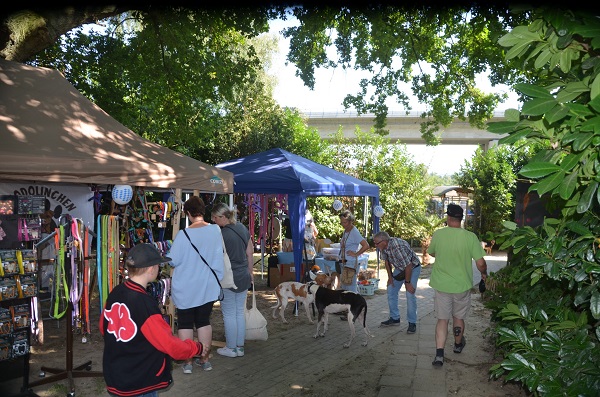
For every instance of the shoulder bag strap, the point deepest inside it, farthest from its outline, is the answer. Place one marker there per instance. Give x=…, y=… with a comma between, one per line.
x=206, y=263
x=240, y=236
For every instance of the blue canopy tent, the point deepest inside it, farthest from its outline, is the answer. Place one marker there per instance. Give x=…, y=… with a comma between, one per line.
x=277, y=171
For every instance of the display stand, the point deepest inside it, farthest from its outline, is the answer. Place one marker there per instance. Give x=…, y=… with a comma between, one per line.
x=25, y=390
x=69, y=372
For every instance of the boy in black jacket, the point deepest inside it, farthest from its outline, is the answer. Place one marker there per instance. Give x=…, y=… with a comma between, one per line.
x=138, y=343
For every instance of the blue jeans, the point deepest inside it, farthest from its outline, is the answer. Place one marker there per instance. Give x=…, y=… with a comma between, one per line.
x=234, y=320
x=150, y=394
x=411, y=299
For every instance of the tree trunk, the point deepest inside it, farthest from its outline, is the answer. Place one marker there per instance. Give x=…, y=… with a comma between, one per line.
x=24, y=33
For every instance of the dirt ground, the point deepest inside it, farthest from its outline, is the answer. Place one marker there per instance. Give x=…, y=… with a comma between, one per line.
x=462, y=379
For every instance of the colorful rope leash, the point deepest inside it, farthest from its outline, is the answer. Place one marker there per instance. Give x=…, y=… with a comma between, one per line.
x=99, y=258
x=60, y=279
x=85, y=293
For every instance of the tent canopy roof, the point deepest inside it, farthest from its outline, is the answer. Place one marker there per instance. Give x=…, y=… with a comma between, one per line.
x=52, y=133
x=278, y=171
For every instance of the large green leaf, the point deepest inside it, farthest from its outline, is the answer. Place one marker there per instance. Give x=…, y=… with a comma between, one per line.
x=582, y=141
x=538, y=106
x=595, y=88
x=512, y=115
x=570, y=161
x=587, y=30
x=592, y=124
x=501, y=127
x=579, y=109
x=539, y=169
x=595, y=304
x=556, y=113
x=533, y=90
x=595, y=102
x=578, y=228
x=567, y=186
x=517, y=36
x=550, y=182
x=515, y=136
x=571, y=91
x=586, y=198
x=543, y=58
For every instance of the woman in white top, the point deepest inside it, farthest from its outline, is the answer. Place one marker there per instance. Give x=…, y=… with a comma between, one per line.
x=353, y=245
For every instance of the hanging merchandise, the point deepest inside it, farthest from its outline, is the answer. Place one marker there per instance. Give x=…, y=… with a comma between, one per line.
x=85, y=292
x=59, y=295
x=337, y=205
x=107, y=255
x=122, y=194
x=378, y=211
x=76, y=284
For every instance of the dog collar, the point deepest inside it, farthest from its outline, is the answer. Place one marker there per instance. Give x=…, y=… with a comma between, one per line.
x=310, y=284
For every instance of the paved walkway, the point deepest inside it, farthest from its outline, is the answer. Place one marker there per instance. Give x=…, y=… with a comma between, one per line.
x=289, y=363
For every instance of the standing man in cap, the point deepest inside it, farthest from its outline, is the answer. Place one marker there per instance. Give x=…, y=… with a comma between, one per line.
x=138, y=342
x=454, y=248
x=403, y=267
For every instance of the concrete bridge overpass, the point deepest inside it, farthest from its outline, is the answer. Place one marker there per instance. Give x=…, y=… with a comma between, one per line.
x=402, y=127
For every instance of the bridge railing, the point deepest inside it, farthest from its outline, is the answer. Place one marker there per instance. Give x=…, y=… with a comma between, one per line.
x=329, y=114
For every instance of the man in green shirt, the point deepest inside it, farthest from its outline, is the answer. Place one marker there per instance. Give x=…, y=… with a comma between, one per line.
x=454, y=248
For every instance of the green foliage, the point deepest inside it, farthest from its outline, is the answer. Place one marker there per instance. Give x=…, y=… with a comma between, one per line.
x=493, y=181
x=404, y=190
x=431, y=53
x=441, y=180
x=192, y=80
x=549, y=326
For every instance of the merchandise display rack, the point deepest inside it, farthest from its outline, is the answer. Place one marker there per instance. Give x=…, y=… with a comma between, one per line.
x=70, y=372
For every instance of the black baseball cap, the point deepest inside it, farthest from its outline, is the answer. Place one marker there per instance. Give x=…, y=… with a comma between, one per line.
x=145, y=255
x=455, y=211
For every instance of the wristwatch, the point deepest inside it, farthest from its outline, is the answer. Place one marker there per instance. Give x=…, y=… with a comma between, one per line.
x=407, y=282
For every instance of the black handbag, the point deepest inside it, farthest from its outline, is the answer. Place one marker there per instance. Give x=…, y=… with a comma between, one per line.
x=400, y=276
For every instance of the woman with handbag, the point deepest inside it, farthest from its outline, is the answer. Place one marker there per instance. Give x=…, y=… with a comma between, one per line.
x=240, y=249
x=197, y=259
x=353, y=244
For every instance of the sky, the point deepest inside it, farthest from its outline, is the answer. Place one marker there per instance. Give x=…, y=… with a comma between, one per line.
x=331, y=85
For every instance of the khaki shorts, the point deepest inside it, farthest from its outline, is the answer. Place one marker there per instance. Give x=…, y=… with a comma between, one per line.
x=449, y=306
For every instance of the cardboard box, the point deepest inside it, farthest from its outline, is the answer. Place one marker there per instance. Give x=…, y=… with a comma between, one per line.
x=283, y=272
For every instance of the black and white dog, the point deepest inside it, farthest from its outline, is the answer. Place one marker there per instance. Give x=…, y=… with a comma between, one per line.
x=332, y=301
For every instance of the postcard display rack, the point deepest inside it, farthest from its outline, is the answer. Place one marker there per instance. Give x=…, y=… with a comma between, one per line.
x=20, y=229
x=20, y=283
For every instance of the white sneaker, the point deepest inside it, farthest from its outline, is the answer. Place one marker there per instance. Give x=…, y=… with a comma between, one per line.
x=227, y=352
x=240, y=351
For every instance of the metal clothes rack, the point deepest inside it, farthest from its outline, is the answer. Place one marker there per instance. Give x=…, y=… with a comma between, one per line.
x=69, y=372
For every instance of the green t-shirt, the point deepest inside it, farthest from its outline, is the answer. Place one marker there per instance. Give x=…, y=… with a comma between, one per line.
x=454, y=249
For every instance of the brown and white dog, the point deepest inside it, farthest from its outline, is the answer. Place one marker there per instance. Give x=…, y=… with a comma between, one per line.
x=299, y=292
x=330, y=301
x=292, y=290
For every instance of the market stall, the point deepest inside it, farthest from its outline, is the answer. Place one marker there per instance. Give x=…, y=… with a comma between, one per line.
x=54, y=138
x=277, y=171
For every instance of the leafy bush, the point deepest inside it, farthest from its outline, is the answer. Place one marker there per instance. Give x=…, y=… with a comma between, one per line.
x=547, y=301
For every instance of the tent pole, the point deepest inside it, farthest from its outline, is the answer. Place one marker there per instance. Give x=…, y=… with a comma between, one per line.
x=175, y=222
x=365, y=216
x=177, y=216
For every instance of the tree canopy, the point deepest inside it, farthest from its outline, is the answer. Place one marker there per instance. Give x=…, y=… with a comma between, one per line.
x=432, y=53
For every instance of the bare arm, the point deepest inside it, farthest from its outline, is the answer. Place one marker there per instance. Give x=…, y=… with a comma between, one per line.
x=364, y=246
x=388, y=267
x=482, y=267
